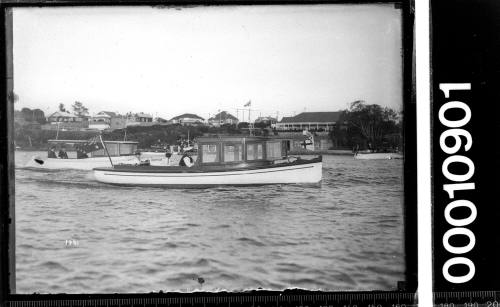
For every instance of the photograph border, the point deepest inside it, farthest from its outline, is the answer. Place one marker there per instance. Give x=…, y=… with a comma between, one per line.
x=7, y=175
x=466, y=53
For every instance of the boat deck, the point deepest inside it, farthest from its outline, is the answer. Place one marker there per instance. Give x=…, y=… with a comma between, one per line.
x=207, y=168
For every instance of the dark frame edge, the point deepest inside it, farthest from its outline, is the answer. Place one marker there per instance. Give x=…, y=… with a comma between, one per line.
x=7, y=222
x=410, y=146
x=7, y=211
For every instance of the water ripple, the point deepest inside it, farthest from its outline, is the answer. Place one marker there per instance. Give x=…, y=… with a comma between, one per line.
x=342, y=234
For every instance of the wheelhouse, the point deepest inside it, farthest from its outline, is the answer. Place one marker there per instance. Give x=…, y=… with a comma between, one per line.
x=115, y=148
x=240, y=149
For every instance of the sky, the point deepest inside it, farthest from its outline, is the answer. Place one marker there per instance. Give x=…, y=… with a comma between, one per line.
x=166, y=61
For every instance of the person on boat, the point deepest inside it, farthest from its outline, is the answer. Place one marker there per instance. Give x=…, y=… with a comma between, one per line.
x=63, y=154
x=308, y=138
x=355, y=149
x=168, y=155
x=52, y=153
x=186, y=160
x=80, y=154
x=145, y=163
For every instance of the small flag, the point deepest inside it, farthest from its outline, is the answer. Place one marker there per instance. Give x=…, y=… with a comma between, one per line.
x=248, y=103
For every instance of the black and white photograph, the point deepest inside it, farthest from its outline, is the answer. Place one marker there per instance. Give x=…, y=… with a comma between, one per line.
x=208, y=148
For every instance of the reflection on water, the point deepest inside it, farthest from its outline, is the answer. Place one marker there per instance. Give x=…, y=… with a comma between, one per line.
x=343, y=234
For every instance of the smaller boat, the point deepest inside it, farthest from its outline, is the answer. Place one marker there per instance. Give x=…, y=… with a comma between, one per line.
x=222, y=160
x=377, y=155
x=85, y=154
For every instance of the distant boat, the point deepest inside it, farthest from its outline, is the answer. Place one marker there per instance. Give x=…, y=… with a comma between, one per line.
x=120, y=153
x=223, y=160
x=377, y=155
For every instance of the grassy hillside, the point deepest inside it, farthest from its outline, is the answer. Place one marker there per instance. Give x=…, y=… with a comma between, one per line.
x=30, y=138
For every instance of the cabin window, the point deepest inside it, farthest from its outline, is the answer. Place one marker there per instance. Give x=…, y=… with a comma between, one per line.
x=209, y=153
x=113, y=149
x=273, y=150
x=250, y=152
x=254, y=151
x=233, y=153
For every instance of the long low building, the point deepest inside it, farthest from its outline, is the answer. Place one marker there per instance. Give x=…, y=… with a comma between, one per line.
x=312, y=121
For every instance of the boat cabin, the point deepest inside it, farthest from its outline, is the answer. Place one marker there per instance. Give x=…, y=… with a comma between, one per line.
x=232, y=150
x=115, y=148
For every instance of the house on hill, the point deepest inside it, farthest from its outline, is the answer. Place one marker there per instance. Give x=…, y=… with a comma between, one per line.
x=107, y=120
x=65, y=120
x=59, y=116
x=100, y=121
x=139, y=119
x=312, y=121
x=110, y=114
x=161, y=120
x=265, y=121
x=223, y=118
x=188, y=119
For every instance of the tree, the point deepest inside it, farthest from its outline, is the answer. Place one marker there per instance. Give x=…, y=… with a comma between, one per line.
x=35, y=115
x=262, y=124
x=62, y=108
x=372, y=121
x=39, y=116
x=79, y=109
x=243, y=125
x=340, y=135
x=27, y=114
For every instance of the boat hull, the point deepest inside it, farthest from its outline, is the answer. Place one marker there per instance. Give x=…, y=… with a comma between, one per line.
x=80, y=164
x=378, y=156
x=276, y=174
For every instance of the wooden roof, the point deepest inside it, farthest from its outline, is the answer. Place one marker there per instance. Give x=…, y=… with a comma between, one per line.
x=230, y=138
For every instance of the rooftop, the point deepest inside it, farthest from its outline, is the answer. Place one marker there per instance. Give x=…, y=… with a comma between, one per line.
x=143, y=115
x=187, y=115
x=313, y=117
x=102, y=114
x=265, y=118
x=214, y=138
x=223, y=116
x=108, y=113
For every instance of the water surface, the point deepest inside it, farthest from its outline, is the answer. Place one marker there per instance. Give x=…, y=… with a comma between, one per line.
x=343, y=234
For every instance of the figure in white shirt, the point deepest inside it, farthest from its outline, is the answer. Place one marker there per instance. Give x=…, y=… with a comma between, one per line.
x=186, y=160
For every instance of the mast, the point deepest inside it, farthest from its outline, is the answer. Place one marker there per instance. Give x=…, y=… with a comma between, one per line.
x=57, y=133
x=106, y=149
